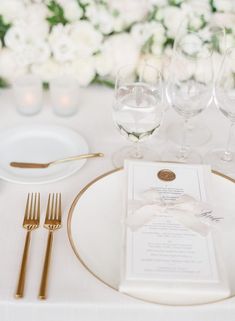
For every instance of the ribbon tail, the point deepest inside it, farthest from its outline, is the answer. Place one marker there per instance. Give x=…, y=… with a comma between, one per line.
x=193, y=223
x=141, y=217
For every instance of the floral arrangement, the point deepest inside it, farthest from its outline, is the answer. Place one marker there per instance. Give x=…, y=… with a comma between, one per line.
x=90, y=39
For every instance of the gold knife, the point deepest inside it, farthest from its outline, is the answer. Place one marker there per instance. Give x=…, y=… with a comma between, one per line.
x=58, y=161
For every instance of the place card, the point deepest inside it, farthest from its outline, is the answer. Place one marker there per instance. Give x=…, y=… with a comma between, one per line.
x=167, y=249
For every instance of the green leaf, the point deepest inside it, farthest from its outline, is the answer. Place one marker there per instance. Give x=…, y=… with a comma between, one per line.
x=3, y=83
x=213, y=7
x=57, y=14
x=101, y=81
x=169, y=42
x=147, y=46
x=3, y=28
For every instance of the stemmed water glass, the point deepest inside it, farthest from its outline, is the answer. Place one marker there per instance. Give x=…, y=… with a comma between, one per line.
x=224, y=92
x=213, y=37
x=137, y=110
x=189, y=91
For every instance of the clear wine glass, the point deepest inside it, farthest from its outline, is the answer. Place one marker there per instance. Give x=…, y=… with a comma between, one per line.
x=214, y=37
x=224, y=93
x=189, y=90
x=137, y=110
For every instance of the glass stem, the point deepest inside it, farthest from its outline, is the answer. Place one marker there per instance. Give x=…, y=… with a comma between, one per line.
x=184, y=149
x=137, y=151
x=227, y=155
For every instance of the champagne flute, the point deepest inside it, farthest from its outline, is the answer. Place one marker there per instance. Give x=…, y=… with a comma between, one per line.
x=189, y=90
x=137, y=110
x=224, y=92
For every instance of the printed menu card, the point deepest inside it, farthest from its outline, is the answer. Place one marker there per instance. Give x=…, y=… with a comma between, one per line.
x=169, y=247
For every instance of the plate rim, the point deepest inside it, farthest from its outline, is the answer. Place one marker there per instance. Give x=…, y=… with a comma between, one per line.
x=35, y=127
x=76, y=250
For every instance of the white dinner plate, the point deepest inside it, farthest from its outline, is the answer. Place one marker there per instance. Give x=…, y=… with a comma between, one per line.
x=41, y=144
x=94, y=227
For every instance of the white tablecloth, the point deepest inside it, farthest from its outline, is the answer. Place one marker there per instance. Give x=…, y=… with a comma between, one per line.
x=74, y=294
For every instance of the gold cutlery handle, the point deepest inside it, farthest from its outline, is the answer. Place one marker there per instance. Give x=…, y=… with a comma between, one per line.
x=44, y=279
x=73, y=158
x=21, y=279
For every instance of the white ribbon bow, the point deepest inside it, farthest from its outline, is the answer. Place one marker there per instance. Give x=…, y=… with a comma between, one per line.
x=185, y=209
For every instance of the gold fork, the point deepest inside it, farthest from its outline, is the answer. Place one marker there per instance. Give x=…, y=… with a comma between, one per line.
x=30, y=223
x=52, y=223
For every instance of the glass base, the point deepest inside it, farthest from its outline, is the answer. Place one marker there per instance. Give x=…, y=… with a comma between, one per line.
x=174, y=155
x=129, y=152
x=219, y=162
x=197, y=134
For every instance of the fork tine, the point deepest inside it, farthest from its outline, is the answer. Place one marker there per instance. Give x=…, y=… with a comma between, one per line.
x=59, y=210
x=56, y=207
x=52, y=207
x=31, y=207
x=48, y=207
x=38, y=208
x=34, y=205
x=27, y=207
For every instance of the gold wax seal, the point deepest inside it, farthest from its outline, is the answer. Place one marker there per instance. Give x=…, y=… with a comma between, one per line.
x=166, y=175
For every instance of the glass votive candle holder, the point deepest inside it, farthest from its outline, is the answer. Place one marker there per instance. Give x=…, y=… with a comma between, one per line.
x=64, y=95
x=28, y=94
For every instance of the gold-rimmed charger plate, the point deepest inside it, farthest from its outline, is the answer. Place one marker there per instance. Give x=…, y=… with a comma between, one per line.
x=94, y=227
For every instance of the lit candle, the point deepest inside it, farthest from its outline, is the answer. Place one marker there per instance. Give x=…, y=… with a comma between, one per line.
x=64, y=96
x=28, y=94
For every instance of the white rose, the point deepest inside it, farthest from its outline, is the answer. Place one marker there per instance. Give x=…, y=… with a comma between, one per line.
x=99, y=16
x=15, y=37
x=63, y=49
x=197, y=8
x=47, y=70
x=191, y=44
x=33, y=28
x=62, y=45
x=86, y=39
x=36, y=12
x=172, y=17
x=196, y=22
x=72, y=10
x=122, y=49
x=41, y=50
x=130, y=10
x=12, y=10
x=139, y=34
x=224, y=5
x=84, y=70
x=103, y=64
x=9, y=66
